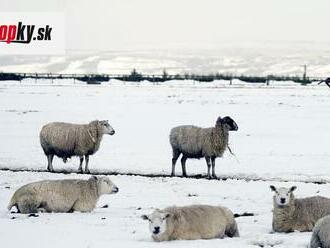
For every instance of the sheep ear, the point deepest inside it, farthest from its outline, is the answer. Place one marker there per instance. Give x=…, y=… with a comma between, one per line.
x=144, y=217
x=219, y=120
x=293, y=188
x=273, y=188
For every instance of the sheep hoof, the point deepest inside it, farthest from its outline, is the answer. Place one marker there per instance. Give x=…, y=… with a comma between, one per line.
x=80, y=171
x=87, y=172
x=215, y=177
x=33, y=215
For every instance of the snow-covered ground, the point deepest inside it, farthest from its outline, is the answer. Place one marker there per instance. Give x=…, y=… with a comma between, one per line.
x=283, y=136
x=283, y=130
x=120, y=224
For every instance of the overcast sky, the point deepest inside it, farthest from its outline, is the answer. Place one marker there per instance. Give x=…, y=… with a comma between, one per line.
x=129, y=24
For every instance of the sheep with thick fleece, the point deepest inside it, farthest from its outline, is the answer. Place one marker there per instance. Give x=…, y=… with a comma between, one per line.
x=61, y=195
x=192, y=222
x=66, y=140
x=197, y=142
x=321, y=233
x=290, y=214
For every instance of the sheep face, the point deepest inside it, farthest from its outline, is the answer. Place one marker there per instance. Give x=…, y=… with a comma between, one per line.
x=283, y=196
x=107, y=129
x=157, y=222
x=106, y=186
x=227, y=121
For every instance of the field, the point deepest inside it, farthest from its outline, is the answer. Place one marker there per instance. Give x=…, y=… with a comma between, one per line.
x=283, y=139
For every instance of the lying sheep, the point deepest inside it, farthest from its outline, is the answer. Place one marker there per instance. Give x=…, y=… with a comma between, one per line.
x=191, y=222
x=290, y=214
x=66, y=140
x=321, y=233
x=196, y=142
x=61, y=195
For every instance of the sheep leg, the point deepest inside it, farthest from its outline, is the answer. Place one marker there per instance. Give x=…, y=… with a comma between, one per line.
x=315, y=241
x=183, y=164
x=213, y=168
x=82, y=206
x=86, y=164
x=80, y=170
x=175, y=157
x=28, y=204
x=50, y=162
x=208, y=163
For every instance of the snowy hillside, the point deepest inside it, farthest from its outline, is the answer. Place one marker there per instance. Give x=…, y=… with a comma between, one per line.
x=254, y=58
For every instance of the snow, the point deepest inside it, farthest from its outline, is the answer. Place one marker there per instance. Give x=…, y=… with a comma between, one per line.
x=123, y=227
x=283, y=139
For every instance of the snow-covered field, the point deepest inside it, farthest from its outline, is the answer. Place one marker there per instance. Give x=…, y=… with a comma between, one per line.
x=283, y=136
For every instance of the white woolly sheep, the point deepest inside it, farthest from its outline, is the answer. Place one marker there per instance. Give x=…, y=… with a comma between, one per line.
x=192, y=222
x=66, y=140
x=290, y=214
x=321, y=233
x=196, y=142
x=61, y=195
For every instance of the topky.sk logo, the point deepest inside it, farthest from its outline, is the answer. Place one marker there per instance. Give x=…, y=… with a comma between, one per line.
x=22, y=33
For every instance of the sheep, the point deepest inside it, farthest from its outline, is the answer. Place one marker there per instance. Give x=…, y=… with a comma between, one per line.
x=61, y=196
x=321, y=233
x=191, y=222
x=290, y=214
x=66, y=140
x=196, y=142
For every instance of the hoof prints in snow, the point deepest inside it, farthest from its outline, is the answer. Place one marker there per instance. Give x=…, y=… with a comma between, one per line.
x=267, y=243
x=20, y=112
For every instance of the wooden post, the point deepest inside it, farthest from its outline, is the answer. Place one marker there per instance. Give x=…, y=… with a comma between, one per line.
x=305, y=73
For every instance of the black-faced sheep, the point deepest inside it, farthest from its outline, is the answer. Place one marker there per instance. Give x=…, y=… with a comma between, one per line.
x=191, y=222
x=61, y=195
x=321, y=233
x=290, y=214
x=66, y=140
x=196, y=142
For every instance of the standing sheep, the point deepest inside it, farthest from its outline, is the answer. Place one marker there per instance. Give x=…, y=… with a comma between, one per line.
x=196, y=142
x=290, y=214
x=321, y=233
x=191, y=222
x=61, y=195
x=66, y=140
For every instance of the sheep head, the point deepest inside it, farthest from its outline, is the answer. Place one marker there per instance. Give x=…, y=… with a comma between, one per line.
x=228, y=122
x=106, y=128
x=157, y=222
x=283, y=196
x=105, y=185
